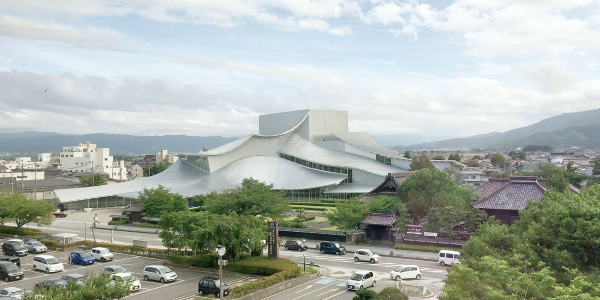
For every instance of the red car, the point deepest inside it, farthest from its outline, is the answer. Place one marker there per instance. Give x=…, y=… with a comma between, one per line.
x=295, y=245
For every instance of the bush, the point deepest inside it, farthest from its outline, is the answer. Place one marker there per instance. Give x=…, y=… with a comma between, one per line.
x=390, y=293
x=313, y=208
x=120, y=222
x=277, y=271
x=301, y=203
x=366, y=295
x=21, y=231
x=419, y=248
x=51, y=244
x=291, y=223
x=148, y=225
x=209, y=260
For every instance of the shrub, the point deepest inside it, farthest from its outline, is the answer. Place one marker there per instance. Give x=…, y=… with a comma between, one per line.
x=130, y=249
x=332, y=205
x=310, y=218
x=313, y=208
x=291, y=223
x=148, y=225
x=390, y=293
x=203, y=260
x=52, y=244
x=419, y=248
x=21, y=231
x=366, y=295
x=277, y=271
x=120, y=222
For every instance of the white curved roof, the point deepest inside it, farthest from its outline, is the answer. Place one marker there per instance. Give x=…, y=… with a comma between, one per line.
x=283, y=174
x=364, y=141
x=178, y=173
x=298, y=147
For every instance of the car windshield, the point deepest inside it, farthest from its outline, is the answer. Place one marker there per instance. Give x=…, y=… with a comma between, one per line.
x=10, y=268
x=218, y=283
x=399, y=269
x=299, y=242
x=164, y=270
x=337, y=245
x=356, y=277
x=52, y=261
x=130, y=278
x=36, y=244
x=120, y=270
x=19, y=247
x=369, y=252
x=85, y=254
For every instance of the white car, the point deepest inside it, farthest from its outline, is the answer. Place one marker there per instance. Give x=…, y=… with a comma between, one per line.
x=159, y=273
x=448, y=257
x=361, y=280
x=47, y=263
x=406, y=272
x=130, y=280
x=365, y=255
x=101, y=254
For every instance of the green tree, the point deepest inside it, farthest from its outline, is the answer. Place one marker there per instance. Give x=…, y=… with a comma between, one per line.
x=501, y=175
x=420, y=162
x=156, y=168
x=95, y=180
x=392, y=293
x=596, y=170
x=26, y=210
x=438, y=157
x=348, y=215
x=389, y=205
x=499, y=161
x=473, y=162
x=159, y=201
x=365, y=294
x=7, y=199
x=97, y=287
x=253, y=198
x=456, y=175
x=406, y=154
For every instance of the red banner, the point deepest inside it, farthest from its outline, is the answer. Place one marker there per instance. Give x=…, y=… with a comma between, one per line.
x=413, y=229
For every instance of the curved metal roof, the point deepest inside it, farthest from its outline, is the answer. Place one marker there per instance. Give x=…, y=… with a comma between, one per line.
x=299, y=147
x=178, y=173
x=283, y=174
x=364, y=141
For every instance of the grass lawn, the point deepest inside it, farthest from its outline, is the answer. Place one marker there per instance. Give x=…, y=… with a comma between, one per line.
x=334, y=228
x=318, y=219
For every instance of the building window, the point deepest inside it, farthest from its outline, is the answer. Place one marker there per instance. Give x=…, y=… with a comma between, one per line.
x=106, y=158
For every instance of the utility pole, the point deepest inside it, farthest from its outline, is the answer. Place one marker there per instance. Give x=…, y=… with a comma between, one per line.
x=35, y=181
x=93, y=183
x=22, y=175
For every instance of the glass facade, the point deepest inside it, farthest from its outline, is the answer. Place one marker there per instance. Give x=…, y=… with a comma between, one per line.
x=383, y=159
x=198, y=161
x=320, y=167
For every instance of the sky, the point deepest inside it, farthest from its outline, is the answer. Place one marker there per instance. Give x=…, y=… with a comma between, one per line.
x=208, y=68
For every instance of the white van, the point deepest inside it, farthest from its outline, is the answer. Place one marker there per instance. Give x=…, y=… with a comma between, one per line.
x=47, y=263
x=448, y=257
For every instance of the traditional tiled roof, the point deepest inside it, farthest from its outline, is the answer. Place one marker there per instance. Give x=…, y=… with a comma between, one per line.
x=380, y=219
x=388, y=187
x=493, y=185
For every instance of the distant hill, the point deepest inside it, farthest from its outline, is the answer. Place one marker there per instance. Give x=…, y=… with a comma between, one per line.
x=42, y=142
x=580, y=129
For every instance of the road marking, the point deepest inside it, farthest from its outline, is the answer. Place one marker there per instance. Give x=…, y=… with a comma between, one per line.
x=334, y=295
x=332, y=290
x=343, y=283
x=312, y=292
x=308, y=287
x=325, y=280
x=163, y=285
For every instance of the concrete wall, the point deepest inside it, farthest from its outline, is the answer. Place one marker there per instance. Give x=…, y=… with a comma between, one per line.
x=255, y=146
x=274, y=124
x=401, y=163
x=322, y=123
x=366, y=178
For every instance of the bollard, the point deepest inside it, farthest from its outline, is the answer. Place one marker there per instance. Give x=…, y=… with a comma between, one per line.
x=391, y=253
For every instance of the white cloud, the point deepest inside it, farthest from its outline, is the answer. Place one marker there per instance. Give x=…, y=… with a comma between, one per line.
x=552, y=76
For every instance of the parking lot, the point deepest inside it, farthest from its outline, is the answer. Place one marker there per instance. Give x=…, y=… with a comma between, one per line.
x=185, y=287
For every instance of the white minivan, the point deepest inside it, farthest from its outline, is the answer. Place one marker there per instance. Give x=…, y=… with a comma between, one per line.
x=159, y=273
x=101, y=254
x=47, y=263
x=448, y=257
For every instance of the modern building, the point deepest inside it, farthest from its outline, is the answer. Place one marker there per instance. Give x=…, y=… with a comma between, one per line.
x=308, y=153
x=87, y=158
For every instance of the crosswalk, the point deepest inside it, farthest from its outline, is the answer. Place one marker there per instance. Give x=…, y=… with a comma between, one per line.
x=350, y=260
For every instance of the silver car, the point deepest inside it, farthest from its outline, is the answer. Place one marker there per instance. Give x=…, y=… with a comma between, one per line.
x=159, y=273
x=34, y=246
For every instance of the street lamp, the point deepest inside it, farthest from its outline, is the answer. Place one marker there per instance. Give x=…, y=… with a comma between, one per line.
x=221, y=251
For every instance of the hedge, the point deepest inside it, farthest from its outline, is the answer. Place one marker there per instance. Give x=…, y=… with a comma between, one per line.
x=209, y=260
x=277, y=271
x=419, y=248
x=314, y=208
x=148, y=225
x=311, y=203
x=21, y=231
x=120, y=222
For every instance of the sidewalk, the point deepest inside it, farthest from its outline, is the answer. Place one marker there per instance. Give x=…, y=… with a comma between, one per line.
x=383, y=251
x=127, y=228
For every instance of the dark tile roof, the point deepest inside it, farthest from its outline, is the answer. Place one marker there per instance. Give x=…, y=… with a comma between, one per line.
x=491, y=186
x=134, y=208
x=388, y=187
x=380, y=219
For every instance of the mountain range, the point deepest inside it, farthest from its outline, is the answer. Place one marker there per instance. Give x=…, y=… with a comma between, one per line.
x=579, y=129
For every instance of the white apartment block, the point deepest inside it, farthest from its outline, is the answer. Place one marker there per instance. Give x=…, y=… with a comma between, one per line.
x=87, y=157
x=163, y=155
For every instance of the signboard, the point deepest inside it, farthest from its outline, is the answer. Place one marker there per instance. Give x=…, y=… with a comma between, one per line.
x=430, y=234
x=414, y=229
x=273, y=240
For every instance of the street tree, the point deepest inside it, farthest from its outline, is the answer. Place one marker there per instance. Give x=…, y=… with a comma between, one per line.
x=93, y=287
x=252, y=198
x=159, y=201
x=91, y=180
x=7, y=199
x=26, y=210
x=348, y=215
x=420, y=162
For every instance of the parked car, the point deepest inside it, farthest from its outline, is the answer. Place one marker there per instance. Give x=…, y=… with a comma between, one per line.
x=14, y=248
x=81, y=258
x=73, y=278
x=56, y=283
x=114, y=269
x=295, y=245
x=130, y=280
x=210, y=286
x=34, y=246
x=25, y=240
x=12, y=292
x=101, y=254
x=47, y=263
x=406, y=272
x=14, y=241
x=332, y=247
x=361, y=280
x=448, y=257
x=159, y=273
x=9, y=271
x=365, y=255
x=13, y=259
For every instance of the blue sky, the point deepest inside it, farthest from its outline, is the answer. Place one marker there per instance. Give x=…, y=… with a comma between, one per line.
x=443, y=68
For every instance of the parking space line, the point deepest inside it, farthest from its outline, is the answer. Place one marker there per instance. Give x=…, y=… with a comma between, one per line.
x=164, y=285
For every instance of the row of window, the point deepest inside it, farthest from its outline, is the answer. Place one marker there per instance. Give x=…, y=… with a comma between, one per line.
x=383, y=159
x=320, y=166
x=198, y=161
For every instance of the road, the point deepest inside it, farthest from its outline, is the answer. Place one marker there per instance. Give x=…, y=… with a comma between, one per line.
x=337, y=269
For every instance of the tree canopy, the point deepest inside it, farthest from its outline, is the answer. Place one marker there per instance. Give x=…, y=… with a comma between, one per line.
x=552, y=252
x=253, y=198
x=94, y=287
x=499, y=161
x=91, y=180
x=159, y=201
x=23, y=210
x=421, y=161
x=349, y=215
x=156, y=168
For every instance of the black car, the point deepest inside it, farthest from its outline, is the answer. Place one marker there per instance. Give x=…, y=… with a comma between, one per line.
x=73, y=278
x=332, y=247
x=12, y=259
x=295, y=245
x=210, y=286
x=10, y=271
x=52, y=283
x=14, y=249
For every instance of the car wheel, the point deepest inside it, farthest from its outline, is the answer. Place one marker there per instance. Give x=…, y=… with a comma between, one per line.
x=102, y=259
x=374, y=282
x=322, y=252
x=34, y=268
x=286, y=248
x=360, y=287
x=200, y=293
x=418, y=276
x=356, y=259
x=146, y=277
x=7, y=279
x=162, y=280
x=81, y=263
x=47, y=271
x=299, y=249
x=397, y=278
x=338, y=253
x=372, y=261
x=217, y=295
x=442, y=263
